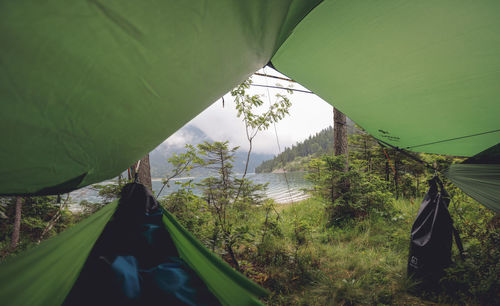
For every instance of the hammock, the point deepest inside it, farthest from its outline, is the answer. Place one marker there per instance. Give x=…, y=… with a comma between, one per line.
x=57, y=271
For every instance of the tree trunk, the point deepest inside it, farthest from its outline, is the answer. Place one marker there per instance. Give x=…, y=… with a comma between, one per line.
x=144, y=174
x=340, y=136
x=386, y=171
x=17, y=224
x=396, y=174
x=245, y=172
x=229, y=249
x=340, y=148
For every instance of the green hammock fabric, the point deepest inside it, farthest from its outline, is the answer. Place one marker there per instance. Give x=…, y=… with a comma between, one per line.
x=412, y=73
x=229, y=286
x=479, y=177
x=89, y=87
x=480, y=181
x=45, y=274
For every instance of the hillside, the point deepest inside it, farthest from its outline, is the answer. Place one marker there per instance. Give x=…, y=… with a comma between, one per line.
x=190, y=134
x=297, y=157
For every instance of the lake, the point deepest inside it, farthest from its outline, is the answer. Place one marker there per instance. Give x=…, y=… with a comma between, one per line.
x=278, y=188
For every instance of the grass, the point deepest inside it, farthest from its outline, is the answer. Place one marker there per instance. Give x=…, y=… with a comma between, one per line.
x=362, y=262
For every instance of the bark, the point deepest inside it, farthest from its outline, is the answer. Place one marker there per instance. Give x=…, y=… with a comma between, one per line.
x=386, y=171
x=229, y=249
x=340, y=135
x=340, y=147
x=17, y=224
x=247, y=161
x=246, y=169
x=144, y=174
x=396, y=175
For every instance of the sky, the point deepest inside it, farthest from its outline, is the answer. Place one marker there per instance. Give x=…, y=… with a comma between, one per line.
x=309, y=114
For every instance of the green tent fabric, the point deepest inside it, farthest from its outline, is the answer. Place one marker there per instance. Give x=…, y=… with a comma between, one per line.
x=415, y=74
x=229, y=286
x=479, y=177
x=45, y=274
x=89, y=87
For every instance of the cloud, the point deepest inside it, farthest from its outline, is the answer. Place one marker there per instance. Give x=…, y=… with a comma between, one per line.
x=308, y=115
x=178, y=139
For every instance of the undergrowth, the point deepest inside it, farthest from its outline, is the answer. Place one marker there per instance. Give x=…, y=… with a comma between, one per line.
x=361, y=262
x=293, y=252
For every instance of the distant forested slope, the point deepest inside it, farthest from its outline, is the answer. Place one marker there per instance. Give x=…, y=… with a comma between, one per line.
x=297, y=157
x=293, y=158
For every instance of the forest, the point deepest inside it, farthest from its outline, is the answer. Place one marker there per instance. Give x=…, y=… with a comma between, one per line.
x=316, y=145
x=297, y=157
x=348, y=247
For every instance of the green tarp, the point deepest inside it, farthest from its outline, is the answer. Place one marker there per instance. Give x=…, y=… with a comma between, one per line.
x=45, y=274
x=488, y=156
x=415, y=74
x=89, y=87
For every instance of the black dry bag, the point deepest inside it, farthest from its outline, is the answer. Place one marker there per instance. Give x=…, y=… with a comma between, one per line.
x=431, y=237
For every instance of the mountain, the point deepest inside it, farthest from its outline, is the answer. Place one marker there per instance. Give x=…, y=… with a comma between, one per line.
x=256, y=159
x=192, y=135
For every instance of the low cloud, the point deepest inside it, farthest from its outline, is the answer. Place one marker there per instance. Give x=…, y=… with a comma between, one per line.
x=308, y=115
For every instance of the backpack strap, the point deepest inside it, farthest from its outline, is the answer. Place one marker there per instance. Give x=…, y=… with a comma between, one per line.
x=458, y=241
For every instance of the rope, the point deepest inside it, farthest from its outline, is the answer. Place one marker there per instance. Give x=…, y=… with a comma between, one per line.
x=279, y=87
x=136, y=175
x=388, y=159
x=137, y=166
x=451, y=139
x=278, y=143
x=403, y=151
x=275, y=77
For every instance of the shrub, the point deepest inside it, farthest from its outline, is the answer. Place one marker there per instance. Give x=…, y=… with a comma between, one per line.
x=350, y=194
x=476, y=278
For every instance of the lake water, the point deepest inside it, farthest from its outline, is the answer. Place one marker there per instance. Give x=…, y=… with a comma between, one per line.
x=278, y=189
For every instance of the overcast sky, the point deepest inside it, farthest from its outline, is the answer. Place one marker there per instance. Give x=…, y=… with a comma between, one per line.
x=308, y=115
